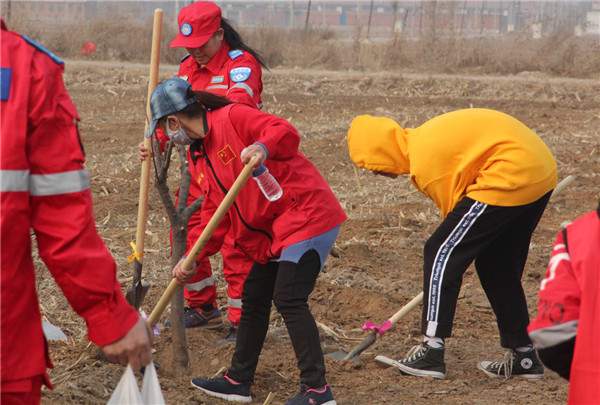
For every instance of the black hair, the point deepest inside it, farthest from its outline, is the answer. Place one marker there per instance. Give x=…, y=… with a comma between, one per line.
x=234, y=40
x=205, y=101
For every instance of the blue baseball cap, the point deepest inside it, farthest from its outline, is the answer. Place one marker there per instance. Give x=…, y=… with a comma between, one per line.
x=169, y=97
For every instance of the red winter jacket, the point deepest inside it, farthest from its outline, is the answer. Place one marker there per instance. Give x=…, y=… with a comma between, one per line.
x=566, y=330
x=219, y=77
x=261, y=229
x=45, y=187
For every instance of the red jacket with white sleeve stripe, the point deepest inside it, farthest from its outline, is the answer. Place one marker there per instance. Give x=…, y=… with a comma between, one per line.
x=566, y=331
x=45, y=187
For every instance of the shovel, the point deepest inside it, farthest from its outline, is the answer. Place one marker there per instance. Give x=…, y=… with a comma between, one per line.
x=203, y=239
x=136, y=293
x=375, y=330
x=381, y=329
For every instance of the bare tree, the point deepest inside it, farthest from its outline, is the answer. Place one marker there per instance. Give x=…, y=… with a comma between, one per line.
x=179, y=215
x=307, y=16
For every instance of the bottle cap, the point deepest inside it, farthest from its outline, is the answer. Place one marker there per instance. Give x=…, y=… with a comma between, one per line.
x=259, y=170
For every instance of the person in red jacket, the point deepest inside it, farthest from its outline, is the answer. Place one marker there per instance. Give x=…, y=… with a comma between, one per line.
x=218, y=61
x=289, y=238
x=566, y=331
x=45, y=187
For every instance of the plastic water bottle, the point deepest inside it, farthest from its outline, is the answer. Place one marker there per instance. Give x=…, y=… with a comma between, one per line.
x=267, y=183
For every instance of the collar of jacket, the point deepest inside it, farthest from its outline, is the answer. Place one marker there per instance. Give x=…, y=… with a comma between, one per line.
x=216, y=63
x=197, y=148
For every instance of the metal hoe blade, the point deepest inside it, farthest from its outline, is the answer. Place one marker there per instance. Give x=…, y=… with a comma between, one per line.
x=52, y=332
x=341, y=355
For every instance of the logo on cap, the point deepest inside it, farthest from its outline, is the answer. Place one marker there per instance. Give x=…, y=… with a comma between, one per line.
x=186, y=29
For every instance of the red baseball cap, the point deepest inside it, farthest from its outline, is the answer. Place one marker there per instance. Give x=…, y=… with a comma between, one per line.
x=197, y=23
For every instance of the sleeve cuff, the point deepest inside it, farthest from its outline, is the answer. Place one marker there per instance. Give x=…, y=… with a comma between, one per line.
x=109, y=325
x=262, y=145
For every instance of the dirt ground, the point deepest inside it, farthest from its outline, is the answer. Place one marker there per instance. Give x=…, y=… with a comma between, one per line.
x=379, y=268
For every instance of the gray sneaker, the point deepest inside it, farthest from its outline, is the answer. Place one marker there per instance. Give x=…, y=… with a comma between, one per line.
x=520, y=364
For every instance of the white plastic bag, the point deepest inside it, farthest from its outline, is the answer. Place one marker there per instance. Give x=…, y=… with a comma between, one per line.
x=128, y=393
x=151, y=392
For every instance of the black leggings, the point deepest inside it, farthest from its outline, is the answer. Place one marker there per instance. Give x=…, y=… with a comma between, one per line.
x=288, y=285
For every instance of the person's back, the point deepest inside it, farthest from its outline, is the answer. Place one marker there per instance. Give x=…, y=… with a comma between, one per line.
x=484, y=154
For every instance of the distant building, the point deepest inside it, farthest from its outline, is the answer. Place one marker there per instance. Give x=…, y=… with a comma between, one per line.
x=388, y=18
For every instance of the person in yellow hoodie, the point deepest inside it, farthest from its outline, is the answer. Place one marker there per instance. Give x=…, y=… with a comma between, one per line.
x=491, y=177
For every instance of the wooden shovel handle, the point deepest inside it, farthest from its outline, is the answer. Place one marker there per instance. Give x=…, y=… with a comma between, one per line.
x=145, y=175
x=204, y=237
x=407, y=308
x=563, y=184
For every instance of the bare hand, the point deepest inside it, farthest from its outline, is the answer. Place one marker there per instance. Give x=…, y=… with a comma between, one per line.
x=182, y=275
x=134, y=348
x=144, y=153
x=253, y=150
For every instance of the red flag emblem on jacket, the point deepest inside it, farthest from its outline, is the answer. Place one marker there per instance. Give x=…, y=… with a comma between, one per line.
x=226, y=154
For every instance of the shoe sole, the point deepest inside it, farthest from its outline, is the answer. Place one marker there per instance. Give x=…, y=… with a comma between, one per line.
x=226, y=397
x=411, y=371
x=332, y=402
x=525, y=376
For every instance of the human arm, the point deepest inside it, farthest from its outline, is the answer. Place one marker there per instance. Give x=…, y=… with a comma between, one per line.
x=63, y=221
x=554, y=330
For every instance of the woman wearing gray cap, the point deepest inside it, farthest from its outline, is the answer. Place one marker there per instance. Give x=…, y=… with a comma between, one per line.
x=288, y=235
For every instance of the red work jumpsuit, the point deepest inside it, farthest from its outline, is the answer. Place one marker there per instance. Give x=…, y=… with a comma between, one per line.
x=237, y=75
x=45, y=187
x=566, y=330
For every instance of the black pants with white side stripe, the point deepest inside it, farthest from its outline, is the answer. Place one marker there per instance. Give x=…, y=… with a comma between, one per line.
x=497, y=239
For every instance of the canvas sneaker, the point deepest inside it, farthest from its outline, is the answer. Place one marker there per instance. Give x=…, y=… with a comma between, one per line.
x=522, y=364
x=312, y=396
x=424, y=361
x=225, y=388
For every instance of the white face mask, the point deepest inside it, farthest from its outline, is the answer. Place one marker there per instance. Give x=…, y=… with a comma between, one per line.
x=179, y=136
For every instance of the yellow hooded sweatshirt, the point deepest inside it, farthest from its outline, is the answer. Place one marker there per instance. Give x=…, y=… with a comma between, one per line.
x=483, y=154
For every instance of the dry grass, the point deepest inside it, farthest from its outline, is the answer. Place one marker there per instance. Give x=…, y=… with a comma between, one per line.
x=559, y=54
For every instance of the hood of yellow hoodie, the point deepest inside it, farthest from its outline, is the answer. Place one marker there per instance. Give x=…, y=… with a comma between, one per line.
x=378, y=144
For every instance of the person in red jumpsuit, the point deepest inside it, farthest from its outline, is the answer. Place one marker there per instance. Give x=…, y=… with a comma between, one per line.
x=566, y=331
x=218, y=61
x=288, y=233
x=45, y=187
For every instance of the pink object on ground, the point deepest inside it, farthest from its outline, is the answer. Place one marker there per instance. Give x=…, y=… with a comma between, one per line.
x=380, y=329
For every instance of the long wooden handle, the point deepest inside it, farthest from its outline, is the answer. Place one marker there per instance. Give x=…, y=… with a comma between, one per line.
x=204, y=237
x=563, y=184
x=407, y=308
x=145, y=175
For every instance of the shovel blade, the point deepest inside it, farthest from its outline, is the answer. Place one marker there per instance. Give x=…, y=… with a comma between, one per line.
x=340, y=355
x=136, y=294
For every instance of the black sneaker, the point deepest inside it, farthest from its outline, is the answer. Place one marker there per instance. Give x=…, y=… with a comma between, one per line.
x=521, y=364
x=312, y=396
x=209, y=317
x=224, y=388
x=424, y=361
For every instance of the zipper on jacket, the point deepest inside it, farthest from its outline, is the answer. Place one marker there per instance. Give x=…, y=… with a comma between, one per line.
x=225, y=190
